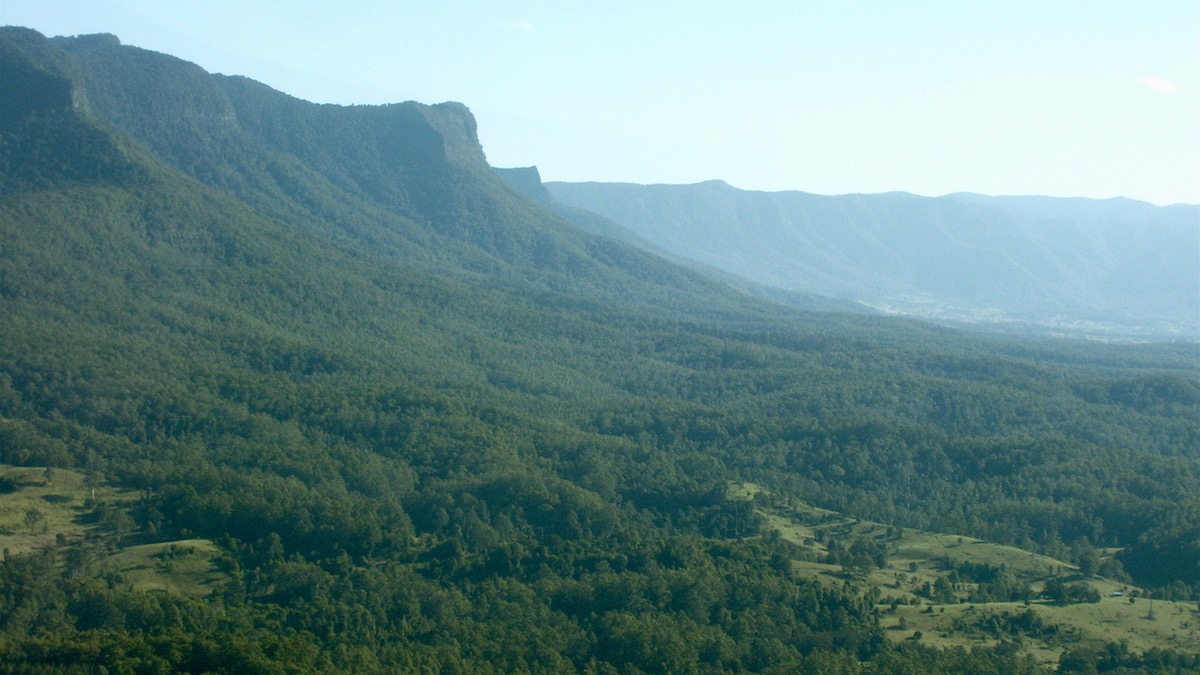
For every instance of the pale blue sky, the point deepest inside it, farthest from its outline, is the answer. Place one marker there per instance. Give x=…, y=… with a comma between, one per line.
x=1056, y=97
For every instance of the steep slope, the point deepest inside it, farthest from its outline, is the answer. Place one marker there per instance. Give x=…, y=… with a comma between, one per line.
x=528, y=181
x=1115, y=267
x=409, y=180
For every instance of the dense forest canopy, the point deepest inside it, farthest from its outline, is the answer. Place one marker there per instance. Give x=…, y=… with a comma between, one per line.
x=427, y=424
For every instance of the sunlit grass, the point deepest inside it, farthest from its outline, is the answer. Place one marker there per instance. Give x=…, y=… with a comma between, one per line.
x=62, y=501
x=917, y=557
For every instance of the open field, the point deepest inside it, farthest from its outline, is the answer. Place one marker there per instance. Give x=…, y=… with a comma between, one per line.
x=39, y=508
x=42, y=509
x=917, y=559
x=1171, y=625
x=186, y=567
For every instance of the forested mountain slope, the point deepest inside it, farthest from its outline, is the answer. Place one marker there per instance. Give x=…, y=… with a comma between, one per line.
x=529, y=182
x=429, y=425
x=406, y=180
x=1110, y=268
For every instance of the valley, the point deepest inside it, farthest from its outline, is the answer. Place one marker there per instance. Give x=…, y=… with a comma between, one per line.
x=1099, y=269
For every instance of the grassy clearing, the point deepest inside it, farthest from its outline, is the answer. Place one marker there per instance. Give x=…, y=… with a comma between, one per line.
x=187, y=567
x=41, y=509
x=58, y=497
x=916, y=558
x=1171, y=625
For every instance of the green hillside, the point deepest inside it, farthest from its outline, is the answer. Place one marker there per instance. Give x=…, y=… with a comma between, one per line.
x=949, y=590
x=363, y=407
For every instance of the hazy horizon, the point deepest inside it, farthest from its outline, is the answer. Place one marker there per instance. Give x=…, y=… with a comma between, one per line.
x=1071, y=99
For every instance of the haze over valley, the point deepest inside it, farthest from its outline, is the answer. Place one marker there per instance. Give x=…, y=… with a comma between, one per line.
x=1113, y=269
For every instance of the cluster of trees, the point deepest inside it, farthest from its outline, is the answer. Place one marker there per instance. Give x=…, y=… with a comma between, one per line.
x=998, y=585
x=1062, y=593
x=1009, y=626
x=862, y=555
x=1116, y=657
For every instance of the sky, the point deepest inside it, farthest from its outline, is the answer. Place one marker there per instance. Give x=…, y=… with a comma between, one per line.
x=1094, y=98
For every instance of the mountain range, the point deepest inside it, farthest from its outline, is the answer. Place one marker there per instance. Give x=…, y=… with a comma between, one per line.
x=288, y=387
x=1112, y=268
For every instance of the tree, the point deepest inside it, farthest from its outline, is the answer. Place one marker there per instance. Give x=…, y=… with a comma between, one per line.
x=943, y=591
x=117, y=522
x=1055, y=591
x=33, y=518
x=1086, y=556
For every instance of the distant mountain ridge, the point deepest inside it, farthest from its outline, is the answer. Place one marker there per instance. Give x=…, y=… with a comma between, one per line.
x=1113, y=268
x=529, y=181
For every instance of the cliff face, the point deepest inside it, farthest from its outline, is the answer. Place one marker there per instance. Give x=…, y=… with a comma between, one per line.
x=409, y=155
x=298, y=161
x=224, y=130
x=406, y=180
x=171, y=105
x=45, y=140
x=528, y=180
x=158, y=98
